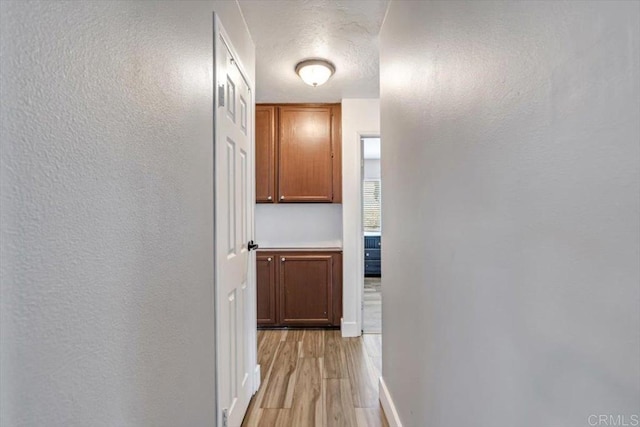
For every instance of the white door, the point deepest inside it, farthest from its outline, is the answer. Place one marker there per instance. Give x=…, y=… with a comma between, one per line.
x=234, y=188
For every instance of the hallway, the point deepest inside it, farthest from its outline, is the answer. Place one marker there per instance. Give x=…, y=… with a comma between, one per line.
x=131, y=205
x=317, y=378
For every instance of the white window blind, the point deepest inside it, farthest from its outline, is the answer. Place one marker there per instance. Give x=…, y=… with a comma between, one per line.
x=372, y=207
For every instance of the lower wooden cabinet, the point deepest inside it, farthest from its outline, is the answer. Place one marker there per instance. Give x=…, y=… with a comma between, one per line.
x=299, y=288
x=266, y=289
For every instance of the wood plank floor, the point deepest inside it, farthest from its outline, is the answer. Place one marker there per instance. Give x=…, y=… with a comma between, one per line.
x=372, y=312
x=315, y=378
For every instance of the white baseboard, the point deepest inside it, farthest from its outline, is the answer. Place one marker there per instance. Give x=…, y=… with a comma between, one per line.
x=256, y=378
x=387, y=404
x=349, y=329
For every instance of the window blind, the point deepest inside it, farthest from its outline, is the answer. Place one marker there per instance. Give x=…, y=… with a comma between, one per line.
x=371, y=205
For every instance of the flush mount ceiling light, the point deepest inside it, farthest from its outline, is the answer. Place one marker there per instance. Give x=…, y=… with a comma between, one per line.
x=315, y=72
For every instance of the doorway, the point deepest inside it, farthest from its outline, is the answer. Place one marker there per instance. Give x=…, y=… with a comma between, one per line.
x=372, y=236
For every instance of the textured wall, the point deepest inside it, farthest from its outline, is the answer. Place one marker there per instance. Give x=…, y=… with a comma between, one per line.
x=107, y=207
x=511, y=139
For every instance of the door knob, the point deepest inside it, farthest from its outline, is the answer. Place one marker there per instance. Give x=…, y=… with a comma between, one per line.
x=252, y=246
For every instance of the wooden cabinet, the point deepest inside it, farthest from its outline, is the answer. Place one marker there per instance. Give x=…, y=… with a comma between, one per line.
x=301, y=144
x=305, y=155
x=266, y=289
x=265, y=153
x=307, y=287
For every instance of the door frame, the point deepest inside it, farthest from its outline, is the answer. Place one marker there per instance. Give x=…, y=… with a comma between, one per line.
x=359, y=229
x=251, y=339
x=361, y=224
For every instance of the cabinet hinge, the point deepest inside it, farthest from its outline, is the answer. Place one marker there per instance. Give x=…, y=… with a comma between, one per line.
x=225, y=417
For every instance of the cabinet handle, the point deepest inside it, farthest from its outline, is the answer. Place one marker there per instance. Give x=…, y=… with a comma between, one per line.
x=269, y=197
x=367, y=254
x=282, y=259
x=269, y=259
x=281, y=197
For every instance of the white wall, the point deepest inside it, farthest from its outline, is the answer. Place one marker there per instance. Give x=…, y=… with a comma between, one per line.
x=511, y=139
x=371, y=147
x=372, y=169
x=360, y=117
x=299, y=225
x=107, y=207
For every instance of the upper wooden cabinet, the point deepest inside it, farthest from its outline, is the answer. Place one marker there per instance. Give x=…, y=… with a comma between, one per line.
x=301, y=145
x=265, y=153
x=305, y=155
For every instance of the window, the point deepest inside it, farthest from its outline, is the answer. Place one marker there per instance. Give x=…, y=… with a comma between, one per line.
x=371, y=208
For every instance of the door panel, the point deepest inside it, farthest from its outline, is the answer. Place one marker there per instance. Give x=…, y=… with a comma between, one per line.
x=230, y=203
x=305, y=154
x=243, y=203
x=235, y=311
x=306, y=283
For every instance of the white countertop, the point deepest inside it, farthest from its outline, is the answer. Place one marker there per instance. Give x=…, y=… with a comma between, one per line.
x=299, y=243
x=326, y=249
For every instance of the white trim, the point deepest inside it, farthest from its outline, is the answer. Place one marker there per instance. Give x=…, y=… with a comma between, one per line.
x=360, y=229
x=256, y=379
x=350, y=329
x=388, y=406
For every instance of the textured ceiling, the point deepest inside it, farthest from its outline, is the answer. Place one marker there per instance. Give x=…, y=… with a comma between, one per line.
x=343, y=32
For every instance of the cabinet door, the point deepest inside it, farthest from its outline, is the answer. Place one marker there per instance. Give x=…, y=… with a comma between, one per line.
x=265, y=154
x=305, y=154
x=306, y=286
x=266, y=289
x=337, y=288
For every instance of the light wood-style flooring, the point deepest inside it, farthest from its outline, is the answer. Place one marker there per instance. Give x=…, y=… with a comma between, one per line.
x=316, y=378
x=372, y=312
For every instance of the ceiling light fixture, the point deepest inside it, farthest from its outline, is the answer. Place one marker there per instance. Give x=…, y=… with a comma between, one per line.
x=315, y=72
